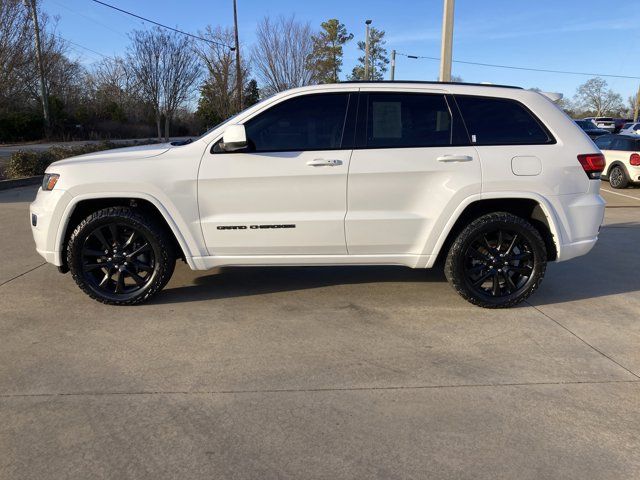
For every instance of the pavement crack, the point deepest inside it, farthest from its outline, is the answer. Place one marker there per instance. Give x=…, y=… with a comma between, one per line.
x=312, y=390
x=583, y=340
x=22, y=274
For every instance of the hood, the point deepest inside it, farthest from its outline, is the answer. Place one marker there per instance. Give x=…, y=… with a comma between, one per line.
x=116, y=154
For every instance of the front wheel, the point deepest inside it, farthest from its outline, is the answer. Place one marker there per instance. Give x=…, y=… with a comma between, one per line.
x=497, y=261
x=120, y=257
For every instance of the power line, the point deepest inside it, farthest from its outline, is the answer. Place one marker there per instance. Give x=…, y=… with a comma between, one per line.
x=165, y=26
x=512, y=67
x=81, y=46
x=89, y=18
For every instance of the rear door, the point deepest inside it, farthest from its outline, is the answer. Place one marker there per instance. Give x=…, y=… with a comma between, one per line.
x=411, y=167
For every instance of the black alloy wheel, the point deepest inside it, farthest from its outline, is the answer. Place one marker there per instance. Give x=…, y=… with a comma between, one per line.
x=497, y=261
x=120, y=257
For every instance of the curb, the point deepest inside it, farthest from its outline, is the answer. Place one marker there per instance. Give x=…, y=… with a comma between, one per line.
x=20, y=182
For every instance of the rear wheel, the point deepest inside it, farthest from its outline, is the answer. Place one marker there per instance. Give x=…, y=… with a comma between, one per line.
x=119, y=257
x=618, y=177
x=497, y=261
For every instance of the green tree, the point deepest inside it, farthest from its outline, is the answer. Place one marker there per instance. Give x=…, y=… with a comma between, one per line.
x=378, y=57
x=594, y=97
x=251, y=93
x=326, y=58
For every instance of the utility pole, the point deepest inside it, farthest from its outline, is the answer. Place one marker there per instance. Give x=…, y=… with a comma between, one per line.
x=31, y=6
x=393, y=65
x=635, y=110
x=238, y=66
x=366, y=52
x=447, y=41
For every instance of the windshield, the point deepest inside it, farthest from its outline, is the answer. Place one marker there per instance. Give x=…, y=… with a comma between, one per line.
x=584, y=124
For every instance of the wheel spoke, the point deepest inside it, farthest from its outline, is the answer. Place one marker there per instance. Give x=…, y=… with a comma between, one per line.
x=512, y=244
x=523, y=270
x=92, y=252
x=106, y=278
x=476, y=269
x=520, y=256
x=87, y=267
x=119, y=282
x=142, y=266
x=478, y=255
x=139, y=250
x=100, y=236
x=495, y=288
x=482, y=279
x=113, y=229
x=499, y=240
x=136, y=278
x=130, y=239
x=509, y=283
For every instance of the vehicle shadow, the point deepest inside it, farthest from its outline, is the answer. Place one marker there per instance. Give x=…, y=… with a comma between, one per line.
x=232, y=282
x=613, y=267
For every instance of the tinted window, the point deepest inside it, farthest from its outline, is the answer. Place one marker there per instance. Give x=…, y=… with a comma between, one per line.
x=396, y=120
x=624, y=144
x=604, y=142
x=310, y=122
x=499, y=121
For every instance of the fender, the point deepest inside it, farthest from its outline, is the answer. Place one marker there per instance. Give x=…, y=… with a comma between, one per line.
x=546, y=207
x=181, y=233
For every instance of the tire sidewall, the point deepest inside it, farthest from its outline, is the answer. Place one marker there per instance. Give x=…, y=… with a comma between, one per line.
x=471, y=233
x=101, y=219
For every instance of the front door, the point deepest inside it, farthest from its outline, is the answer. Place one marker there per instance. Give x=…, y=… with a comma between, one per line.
x=286, y=193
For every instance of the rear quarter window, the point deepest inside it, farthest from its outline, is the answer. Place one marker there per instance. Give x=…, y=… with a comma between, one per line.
x=501, y=121
x=604, y=142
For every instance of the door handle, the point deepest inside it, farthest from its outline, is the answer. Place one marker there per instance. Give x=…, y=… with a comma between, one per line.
x=321, y=162
x=455, y=158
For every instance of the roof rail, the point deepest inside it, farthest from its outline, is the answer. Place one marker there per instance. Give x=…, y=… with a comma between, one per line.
x=426, y=82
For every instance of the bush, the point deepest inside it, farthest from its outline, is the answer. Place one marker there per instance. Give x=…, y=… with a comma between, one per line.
x=29, y=163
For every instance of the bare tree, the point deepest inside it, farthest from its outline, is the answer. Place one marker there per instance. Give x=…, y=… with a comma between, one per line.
x=281, y=54
x=219, y=93
x=166, y=72
x=595, y=96
x=14, y=46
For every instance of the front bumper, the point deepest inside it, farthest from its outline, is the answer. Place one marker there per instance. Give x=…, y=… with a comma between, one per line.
x=45, y=216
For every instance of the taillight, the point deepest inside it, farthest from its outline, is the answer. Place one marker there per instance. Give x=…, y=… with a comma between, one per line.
x=634, y=159
x=592, y=163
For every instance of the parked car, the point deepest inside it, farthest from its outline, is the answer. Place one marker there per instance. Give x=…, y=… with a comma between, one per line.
x=590, y=129
x=631, y=129
x=497, y=181
x=605, y=123
x=622, y=159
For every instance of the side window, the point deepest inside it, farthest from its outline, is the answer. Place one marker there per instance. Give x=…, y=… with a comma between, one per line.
x=604, y=142
x=499, y=121
x=636, y=127
x=396, y=120
x=309, y=122
x=621, y=143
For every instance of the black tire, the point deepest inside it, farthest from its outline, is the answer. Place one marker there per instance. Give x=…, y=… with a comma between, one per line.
x=497, y=261
x=618, y=177
x=118, y=256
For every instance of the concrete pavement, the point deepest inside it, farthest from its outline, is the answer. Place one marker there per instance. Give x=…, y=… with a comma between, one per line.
x=361, y=372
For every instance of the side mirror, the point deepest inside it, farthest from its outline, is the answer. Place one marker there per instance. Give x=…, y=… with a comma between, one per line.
x=234, y=138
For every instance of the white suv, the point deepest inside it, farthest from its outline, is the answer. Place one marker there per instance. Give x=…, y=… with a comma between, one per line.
x=495, y=181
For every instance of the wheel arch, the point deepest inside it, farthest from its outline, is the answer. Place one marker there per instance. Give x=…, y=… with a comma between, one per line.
x=83, y=205
x=526, y=205
x=617, y=163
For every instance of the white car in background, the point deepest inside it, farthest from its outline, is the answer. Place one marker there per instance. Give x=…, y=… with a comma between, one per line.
x=630, y=129
x=622, y=159
x=605, y=123
x=496, y=181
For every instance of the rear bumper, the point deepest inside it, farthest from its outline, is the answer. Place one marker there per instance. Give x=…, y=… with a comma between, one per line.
x=581, y=217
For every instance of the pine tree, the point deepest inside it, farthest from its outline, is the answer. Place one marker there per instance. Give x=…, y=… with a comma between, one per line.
x=251, y=93
x=378, y=57
x=326, y=58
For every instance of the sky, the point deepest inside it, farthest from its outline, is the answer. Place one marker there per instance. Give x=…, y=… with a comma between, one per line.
x=598, y=36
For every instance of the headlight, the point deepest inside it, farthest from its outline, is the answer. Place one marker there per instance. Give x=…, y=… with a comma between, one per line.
x=49, y=181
